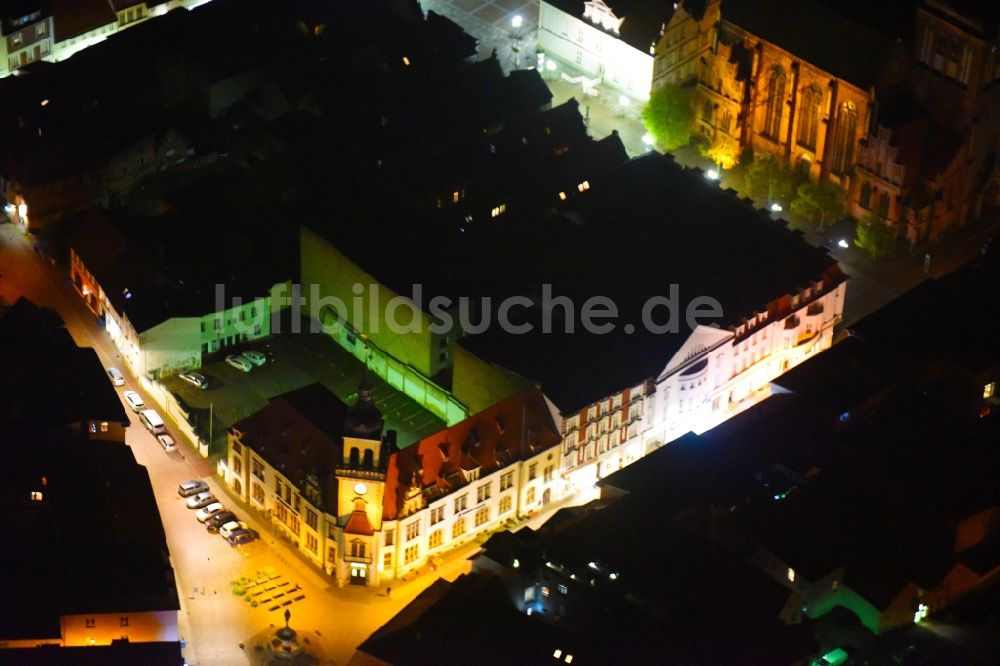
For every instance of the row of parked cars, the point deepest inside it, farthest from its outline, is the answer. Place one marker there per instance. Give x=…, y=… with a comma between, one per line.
x=149, y=418
x=244, y=362
x=213, y=515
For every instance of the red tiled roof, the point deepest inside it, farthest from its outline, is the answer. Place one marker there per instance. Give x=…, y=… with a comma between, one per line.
x=514, y=429
x=358, y=523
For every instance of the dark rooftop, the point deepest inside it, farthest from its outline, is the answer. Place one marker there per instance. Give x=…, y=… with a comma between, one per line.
x=677, y=230
x=299, y=434
x=817, y=34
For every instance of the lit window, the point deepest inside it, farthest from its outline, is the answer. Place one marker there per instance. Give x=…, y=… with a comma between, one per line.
x=557, y=654
x=454, y=196
x=545, y=591
x=406, y=61
x=499, y=210
x=562, y=196
x=568, y=659
x=989, y=390
x=584, y=186
x=36, y=496
x=790, y=574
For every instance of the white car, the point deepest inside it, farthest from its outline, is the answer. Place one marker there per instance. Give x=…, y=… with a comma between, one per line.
x=201, y=499
x=167, y=442
x=116, y=376
x=195, y=379
x=207, y=512
x=239, y=361
x=255, y=357
x=134, y=401
x=231, y=527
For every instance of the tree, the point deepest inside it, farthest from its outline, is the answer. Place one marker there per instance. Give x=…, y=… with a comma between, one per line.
x=819, y=202
x=875, y=237
x=668, y=116
x=723, y=151
x=769, y=181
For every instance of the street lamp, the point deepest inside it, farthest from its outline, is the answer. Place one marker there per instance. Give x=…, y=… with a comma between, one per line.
x=648, y=141
x=712, y=174
x=776, y=208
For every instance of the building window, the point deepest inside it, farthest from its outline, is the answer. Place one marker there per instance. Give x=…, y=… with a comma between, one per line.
x=461, y=503
x=237, y=466
x=482, y=515
x=435, y=539
x=483, y=493
x=90, y=623
x=458, y=529
x=257, y=468
x=529, y=498
x=36, y=496
x=413, y=530
x=790, y=575
x=410, y=554
x=39, y=32
x=312, y=520
x=358, y=549
x=883, y=205
x=812, y=100
x=312, y=544
x=548, y=473
x=257, y=492
x=843, y=141
x=989, y=390
x=390, y=537
x=498, y=210
x=237, y=447
x=505, y=503
x=775, y=103
x=123, y=621
x=532, y=471
x=506, y=481
x=217, y=325
x=865, y=198
x=387, y=560
x=437, y=515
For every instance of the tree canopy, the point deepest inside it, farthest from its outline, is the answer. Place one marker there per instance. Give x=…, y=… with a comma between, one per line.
x=819, y=202
x=668, y=116
x=875, y=237
x=768, y=180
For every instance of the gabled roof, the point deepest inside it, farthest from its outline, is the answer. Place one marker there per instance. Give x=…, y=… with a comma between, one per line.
x=298, y=434
x=514, y=429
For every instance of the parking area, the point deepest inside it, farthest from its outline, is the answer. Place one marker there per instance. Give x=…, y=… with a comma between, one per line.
x=294, y=360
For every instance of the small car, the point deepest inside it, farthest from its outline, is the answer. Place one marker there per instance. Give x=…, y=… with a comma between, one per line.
x=116, y=376
x=167, y=442
x=219, y=519
x=200, y=500
x=134, y=401
x=255, y=357
x=207, y=512
x=232, y=526
x=195, y=379
x=240, y=537
x=192, y=487
x=240, y=362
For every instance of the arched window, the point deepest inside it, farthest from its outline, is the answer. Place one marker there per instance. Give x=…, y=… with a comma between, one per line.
x=355, y=456
x=775, y=99
x=843, y=146
x=812, y=100
x=369, y=459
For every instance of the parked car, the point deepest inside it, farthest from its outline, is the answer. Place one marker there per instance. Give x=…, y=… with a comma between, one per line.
x=240, y=537
x=255, y=357
x=207, y=512
x=117, y=378
x=232, y=526
x=219, y=519
x=240, y=362
x=134, y=401
x=167, y=442
x=192, y=487
x=200, y=500
x=195, y=379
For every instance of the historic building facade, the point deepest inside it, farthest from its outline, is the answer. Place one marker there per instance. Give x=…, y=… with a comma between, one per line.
x=632, y=47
